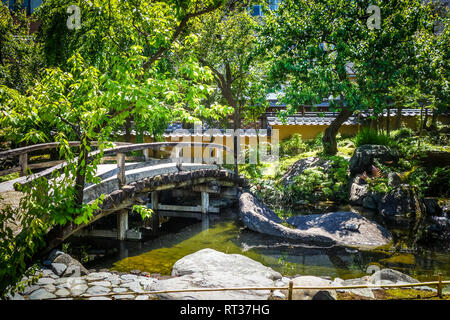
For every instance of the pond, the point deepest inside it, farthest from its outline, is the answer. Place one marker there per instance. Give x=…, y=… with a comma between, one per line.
x=181, y=237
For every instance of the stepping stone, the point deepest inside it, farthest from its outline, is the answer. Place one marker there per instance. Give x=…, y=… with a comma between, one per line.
x=44, y=281
x=95, y=276
x=97, y=290
x=143, y=297
x=50, y=288
x=78, y=289
x=100, y=283
x=29, y=289
x=128, y=277
x=62, y=292
x=133, y=286
x=99, y=298
x=119, y=290
x=41, y=294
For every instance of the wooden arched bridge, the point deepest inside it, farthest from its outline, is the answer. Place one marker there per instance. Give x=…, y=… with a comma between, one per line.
x=125, y=184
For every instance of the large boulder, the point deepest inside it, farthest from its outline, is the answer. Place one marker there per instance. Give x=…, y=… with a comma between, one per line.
x=337, y=228
x=346, y=228
x=401, y=204
x=258, y=217
x=301, y=165
x=364, y=156
x=209, y=268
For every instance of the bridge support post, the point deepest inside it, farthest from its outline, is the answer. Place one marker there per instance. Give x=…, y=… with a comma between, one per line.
x=155, y=216
x=23, y=161
x=205, y=207
x=121, y=165
x=146, y=155
x=122, y=224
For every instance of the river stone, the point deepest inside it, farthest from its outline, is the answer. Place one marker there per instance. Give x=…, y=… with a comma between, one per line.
x=95, y=276
x=41, y=294
x=100, y=283
x=128, y=277
x=44, y=281
x=97, y=290
x=133, y=286
x=209, y=268
x=58, y=268
x=62, y=292
x=99, y=298
x=311, y=294
x=346, y=228
x=78, y=289
x=74, y=267
x=143, y=297
x=29, y=289
x=390, y=275
x=119, y=290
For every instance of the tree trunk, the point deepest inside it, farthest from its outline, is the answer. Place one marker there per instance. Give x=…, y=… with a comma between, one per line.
x=329, y=137
x=80, y=176
x=388, y=121
x=128, y=129
x=399, y=118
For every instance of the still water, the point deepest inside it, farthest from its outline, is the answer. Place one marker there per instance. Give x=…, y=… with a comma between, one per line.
x=186, y=236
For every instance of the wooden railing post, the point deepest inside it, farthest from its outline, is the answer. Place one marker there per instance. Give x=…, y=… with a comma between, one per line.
x=121, y=165
x=23, y=162
x=291, y=285
x=439, y=286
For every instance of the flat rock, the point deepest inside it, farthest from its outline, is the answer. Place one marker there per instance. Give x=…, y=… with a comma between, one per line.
x=78, y=289
x=62, y=292
x=41, y=294
x=58, y=268
x=99, y=298
x=133, y=286
x=142, y=297
x=336, y=228
x=100, y=283
x=129, y=277
x=95, y=276
x=97, y=290
x=209, y=268
x=44, y=281
x=346, y=228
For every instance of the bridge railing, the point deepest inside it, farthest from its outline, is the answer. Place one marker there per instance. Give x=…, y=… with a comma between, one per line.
x=119, y=151
x=23, y=153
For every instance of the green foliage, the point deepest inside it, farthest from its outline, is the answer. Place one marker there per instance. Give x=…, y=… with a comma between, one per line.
x=143, y=211
x=369, y=136
x=292, y=146
x=20, y=58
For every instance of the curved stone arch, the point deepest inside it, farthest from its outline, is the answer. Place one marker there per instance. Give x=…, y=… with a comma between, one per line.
x=125, y=196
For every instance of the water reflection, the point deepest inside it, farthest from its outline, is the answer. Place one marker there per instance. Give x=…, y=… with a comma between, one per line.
x=159, y=254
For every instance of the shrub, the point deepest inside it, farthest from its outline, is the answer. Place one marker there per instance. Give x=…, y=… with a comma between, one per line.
x=369, y=136
x=292, y=146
